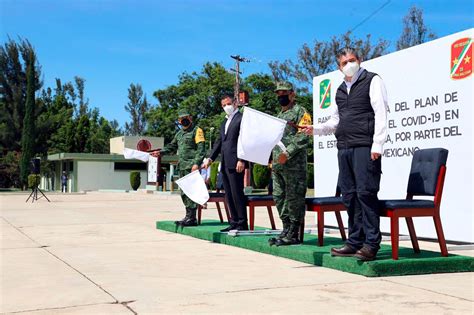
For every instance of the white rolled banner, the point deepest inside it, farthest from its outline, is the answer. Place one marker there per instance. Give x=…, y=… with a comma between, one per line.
x=259, y=133
x=194, y=187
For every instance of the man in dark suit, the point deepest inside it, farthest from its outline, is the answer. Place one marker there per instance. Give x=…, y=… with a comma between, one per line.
x=232, y=168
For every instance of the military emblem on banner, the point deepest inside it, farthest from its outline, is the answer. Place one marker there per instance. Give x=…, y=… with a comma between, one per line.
x=461, y=58
x=325, y=94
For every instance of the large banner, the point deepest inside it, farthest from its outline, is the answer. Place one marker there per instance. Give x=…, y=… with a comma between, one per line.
x=430, y=93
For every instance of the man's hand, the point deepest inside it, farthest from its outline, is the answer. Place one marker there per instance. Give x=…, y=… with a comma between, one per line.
x=194, y=168
x=240, y=167
x=374, y=156
x=206, y=163
x=282, y=158
x=308, y=130
x=155, y=153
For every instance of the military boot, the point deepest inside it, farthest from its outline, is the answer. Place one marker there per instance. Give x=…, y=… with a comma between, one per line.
x=286, y=227
x=186, y=217
x=291, y=238
x=191, y=221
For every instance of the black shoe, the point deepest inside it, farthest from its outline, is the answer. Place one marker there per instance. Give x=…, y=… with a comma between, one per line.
x=286, y=225
x=272, y=241
x=291, y=237
x=344, y=251
x=365, y=254
x=242, y=227
x=186, y=217
x=229, y=228
x=191, y=221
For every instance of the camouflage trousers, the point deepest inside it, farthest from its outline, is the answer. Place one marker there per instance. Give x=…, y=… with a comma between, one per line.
x=289, y=192
x=188, y=203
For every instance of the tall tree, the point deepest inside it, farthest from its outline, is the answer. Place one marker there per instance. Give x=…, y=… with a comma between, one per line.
x=137, y=107
x=319, y=58
x=83, y=103
x=414, y=31
x=14, y=58
x=28, y=134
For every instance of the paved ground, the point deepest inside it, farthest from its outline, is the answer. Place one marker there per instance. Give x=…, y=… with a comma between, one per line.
x=100, y=253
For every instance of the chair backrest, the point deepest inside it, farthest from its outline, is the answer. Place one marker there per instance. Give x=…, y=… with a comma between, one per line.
x=425, y=168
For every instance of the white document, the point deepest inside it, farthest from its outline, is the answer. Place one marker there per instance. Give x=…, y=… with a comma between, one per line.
x=135, y=154
x=259, y=133
x=194, y=187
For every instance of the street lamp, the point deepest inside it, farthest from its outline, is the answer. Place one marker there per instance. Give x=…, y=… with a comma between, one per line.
x=210, y=137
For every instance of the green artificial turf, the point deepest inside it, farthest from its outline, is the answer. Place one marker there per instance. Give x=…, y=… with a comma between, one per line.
x=408, y=263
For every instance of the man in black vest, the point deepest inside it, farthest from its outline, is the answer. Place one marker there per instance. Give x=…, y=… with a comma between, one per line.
x=232, y=168
x=359, y=120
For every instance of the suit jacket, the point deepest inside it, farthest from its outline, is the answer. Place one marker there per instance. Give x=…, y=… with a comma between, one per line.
x=226, y=144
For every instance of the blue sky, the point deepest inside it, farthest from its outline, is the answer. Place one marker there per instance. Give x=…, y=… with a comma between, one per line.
x=114, y=43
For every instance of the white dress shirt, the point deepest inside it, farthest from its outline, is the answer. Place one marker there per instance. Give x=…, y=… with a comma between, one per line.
x=379, y=103
x=229, y=119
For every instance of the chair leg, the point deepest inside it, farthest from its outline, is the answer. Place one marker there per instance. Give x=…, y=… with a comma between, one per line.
x=341, y=225
x=414, y=239
x=270, y=215
x=219, y=212
x=227, y=212
x=320, y=227
x=394, y=235
x=439, y=232
x=252, y=216
x=301, y=234
x=199, y=214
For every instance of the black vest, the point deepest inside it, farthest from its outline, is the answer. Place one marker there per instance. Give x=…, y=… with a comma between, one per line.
x=356, y=116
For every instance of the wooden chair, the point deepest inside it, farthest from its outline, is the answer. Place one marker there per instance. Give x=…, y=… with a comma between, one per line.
x=254, y=201
x=216, y=197
x=321, y=205
x=428, y=170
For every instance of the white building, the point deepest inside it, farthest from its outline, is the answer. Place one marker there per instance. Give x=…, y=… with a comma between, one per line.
x=89, y=171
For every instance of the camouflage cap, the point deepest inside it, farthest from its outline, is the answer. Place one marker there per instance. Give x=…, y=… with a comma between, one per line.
x=284, y=86
x=183, y=113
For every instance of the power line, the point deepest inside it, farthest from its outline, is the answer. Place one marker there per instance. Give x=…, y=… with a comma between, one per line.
x=371, y=15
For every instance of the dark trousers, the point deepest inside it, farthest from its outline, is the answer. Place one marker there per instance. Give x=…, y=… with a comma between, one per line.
x=234, y=195
x=359, y=180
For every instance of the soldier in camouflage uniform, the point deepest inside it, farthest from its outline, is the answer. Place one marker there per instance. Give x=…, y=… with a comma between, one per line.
x=289, y=167
x=189, y=144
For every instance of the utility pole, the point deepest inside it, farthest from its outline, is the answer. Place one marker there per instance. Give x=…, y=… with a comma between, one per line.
x=238, y=59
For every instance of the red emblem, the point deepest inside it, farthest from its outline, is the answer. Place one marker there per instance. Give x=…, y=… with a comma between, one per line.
x=144, y=145
x=461, y=58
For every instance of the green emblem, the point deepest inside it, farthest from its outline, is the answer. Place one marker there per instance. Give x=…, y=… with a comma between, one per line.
x=325, y=94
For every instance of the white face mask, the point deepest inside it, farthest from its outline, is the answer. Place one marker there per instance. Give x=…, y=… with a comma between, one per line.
x=228, y=109
x=350, y=69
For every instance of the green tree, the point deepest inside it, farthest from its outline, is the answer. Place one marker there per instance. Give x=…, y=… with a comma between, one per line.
x=83, y=103
x=197, y=92
x=14, y=58
x=414, y=31
x=319, y=58
x=28, y=134
x=137, y=107
x=82, y=134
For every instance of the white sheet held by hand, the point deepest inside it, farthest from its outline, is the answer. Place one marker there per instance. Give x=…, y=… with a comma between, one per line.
x=135, y=154
x=259, y=133
x=194, y=187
